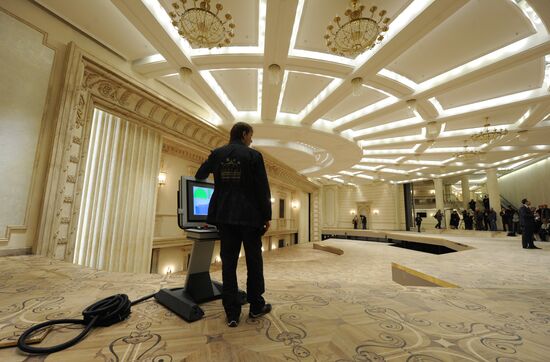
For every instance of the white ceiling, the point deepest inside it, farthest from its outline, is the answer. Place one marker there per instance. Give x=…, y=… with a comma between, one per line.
x=461, y=60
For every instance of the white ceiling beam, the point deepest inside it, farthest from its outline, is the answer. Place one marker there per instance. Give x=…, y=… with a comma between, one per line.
x=153, y=22
x=279, y=23
x=434, y=14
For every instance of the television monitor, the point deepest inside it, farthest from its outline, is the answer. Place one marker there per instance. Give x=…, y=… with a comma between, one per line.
x=193, y=200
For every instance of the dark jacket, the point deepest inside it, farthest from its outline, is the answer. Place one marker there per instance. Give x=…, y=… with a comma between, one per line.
x=241, y=194
x=526, y=217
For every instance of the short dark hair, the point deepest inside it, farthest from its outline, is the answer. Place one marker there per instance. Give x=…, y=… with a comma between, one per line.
x=524, y=201
x=238, y=129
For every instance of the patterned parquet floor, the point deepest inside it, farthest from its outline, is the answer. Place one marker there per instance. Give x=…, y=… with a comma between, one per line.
x=326, y=308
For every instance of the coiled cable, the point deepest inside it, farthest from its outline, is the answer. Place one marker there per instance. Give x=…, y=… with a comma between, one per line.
x=103, y=313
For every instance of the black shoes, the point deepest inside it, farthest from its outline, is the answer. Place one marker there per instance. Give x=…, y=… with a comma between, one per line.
x=233, y=322
x=263, y=311
x=534, y=247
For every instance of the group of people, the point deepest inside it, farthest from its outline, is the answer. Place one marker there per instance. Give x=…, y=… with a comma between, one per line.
x=529, y=221
x=355, y=221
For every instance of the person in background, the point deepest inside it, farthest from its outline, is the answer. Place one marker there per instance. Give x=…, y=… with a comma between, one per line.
x=479, y=217
x=467, y=216
x=438, y=216
x=527, y=222
x=455, y=220
x=355, y=221
x=510, y=218
x=504, y=217
x=472, y=204
x=492, y=218
x=364, y=222
x=418, y=221
x=515, y=223
x=486, y=204
x=241, y=209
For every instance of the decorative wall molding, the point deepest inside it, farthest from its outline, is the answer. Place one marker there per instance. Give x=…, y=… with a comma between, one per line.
x=90, y=84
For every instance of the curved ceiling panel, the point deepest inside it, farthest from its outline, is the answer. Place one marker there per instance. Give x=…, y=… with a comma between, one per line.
x=475, y=30
x=352, y=103
x=523, y=77
x=300, y=89
x=240, y=86
x=104, y=22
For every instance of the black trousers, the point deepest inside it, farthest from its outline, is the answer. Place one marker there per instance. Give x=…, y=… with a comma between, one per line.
x=527, y=237
x=231, y=237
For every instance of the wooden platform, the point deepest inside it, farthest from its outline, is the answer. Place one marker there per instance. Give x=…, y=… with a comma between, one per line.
x=326, y=308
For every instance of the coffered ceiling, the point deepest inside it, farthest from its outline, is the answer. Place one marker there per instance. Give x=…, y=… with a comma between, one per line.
x=459, y=60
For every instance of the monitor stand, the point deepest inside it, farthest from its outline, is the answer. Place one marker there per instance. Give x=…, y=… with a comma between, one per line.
x=199, y=288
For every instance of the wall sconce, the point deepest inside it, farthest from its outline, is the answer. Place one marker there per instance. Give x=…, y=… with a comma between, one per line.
x=274, y=74
x=432, y=192
x=185, y=75
x=162, y=178
x=272, y=200
x=352, y=212
x=357, y=86
x=411, y=105
x=375, y=212
x=217, y=259
x=295, y=204
x=263, y=249
x=168, y=270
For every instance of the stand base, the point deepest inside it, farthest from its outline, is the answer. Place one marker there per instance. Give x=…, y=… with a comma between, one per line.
x=180, y=302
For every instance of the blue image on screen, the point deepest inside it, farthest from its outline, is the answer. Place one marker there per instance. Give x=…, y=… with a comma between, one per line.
x=201, y=199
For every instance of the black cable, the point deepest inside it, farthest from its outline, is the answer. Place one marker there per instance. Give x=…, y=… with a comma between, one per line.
x=103, y=313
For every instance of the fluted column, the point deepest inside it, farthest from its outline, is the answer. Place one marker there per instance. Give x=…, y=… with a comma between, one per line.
x=115, y=227
x=494, y=193
x=465, y=183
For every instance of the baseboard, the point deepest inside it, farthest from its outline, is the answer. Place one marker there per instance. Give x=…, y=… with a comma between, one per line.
x=13, y=252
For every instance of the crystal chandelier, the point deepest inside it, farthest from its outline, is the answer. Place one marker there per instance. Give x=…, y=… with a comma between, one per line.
x=488, y=135
x=200, y=25
x=358, y=33
x=468, y=153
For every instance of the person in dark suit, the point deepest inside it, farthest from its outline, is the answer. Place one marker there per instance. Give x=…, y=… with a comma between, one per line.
x=418, y=221
x=364, y=222
x=527, y=222
x=472, y=204
x=241, y=209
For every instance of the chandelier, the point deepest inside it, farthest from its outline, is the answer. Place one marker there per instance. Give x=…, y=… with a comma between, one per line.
x=200, y=25
x=358, y=33
x=469, y=153
x=488, y=135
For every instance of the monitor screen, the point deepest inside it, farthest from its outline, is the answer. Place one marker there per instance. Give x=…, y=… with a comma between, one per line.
x=200, y=200
x=193, y=201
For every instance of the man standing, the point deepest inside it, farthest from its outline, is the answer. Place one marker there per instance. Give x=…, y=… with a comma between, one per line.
x=418, y=221
x=364, y=222
x=527, y=222
x=241, y=209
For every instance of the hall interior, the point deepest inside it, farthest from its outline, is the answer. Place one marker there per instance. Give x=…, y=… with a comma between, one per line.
x=105, y=106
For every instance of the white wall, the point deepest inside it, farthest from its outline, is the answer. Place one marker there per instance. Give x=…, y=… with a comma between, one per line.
x=385, y=202
x=531, y=182
x=25, y=69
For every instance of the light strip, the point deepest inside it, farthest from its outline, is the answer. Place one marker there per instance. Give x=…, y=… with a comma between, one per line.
x=260, y=90
x=531, y=15
x=336, y=82
x=397, y=151
x=365, y=111
x=366, y=168
x=218, y=90
x=387, y=126
x=398, y=78
x=384, y=141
